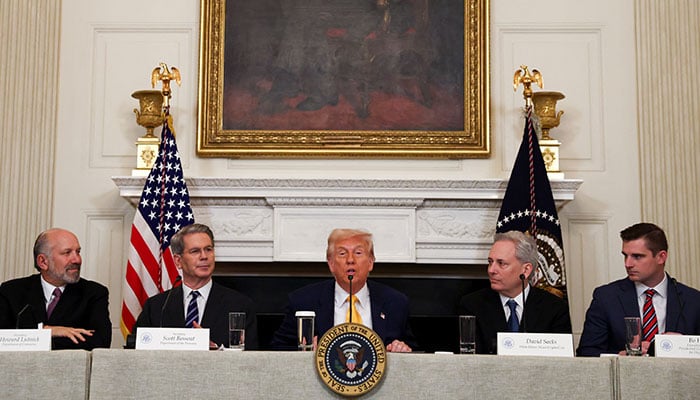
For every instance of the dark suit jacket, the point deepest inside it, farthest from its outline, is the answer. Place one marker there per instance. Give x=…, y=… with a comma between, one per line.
x=221, y=301
x=389, y=313
x=604, y=329
x=84, y=304
x=543, y=313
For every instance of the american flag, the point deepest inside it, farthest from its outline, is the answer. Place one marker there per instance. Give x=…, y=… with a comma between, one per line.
x=164, y=209
x=528, y=206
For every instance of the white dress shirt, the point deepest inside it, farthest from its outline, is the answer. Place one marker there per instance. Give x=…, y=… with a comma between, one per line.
x=519, y=300
x=201, y=300
x=48, y=291
x=660, y=299
x=362, y=305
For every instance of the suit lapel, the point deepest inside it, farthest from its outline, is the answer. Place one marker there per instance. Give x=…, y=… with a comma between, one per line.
x=530, y=310
x=628, y=298
x=174, y=312
x=673, y=306
x=326, y=308
x=379, y=313
x=65, y=309
x=497, y=315
x=36, y=299
x=212, y=308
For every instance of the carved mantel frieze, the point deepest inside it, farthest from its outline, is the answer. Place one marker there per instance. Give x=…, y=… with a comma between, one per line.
x=423, y=221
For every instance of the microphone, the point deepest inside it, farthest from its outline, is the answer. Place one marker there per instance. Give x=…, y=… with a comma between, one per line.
x=680, y=304
x=522, y=280
x=167, y=299
x=19, y=314
x=351, y=302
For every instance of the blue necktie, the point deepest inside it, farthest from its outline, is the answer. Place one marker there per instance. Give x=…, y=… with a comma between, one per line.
x=513, y=324
x=192, y=310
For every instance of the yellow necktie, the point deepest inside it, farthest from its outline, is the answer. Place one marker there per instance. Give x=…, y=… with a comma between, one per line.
x=353, y=306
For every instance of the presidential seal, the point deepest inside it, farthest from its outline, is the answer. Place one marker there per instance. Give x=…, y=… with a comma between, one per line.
x=351, y=359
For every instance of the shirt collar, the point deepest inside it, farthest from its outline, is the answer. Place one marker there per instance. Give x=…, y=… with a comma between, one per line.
x=48, y=289
x=661, y=288
x=341, y=295
x=518, y=299
x=203, y=291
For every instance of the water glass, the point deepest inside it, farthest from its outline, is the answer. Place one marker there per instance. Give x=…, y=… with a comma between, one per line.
x=236, y=330
x=467, y=334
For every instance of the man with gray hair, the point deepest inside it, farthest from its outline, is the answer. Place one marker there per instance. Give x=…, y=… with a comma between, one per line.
x=512, y=261
x=199, y=301
x=75, y=309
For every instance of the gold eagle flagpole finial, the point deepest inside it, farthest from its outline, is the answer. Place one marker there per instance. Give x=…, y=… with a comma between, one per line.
x=165, y=74
x=523, y=75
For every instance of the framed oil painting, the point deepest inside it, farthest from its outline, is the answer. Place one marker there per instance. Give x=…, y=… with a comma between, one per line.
x=340, y=79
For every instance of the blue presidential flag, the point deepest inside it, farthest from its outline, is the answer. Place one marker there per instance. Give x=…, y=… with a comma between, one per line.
x=528, y=206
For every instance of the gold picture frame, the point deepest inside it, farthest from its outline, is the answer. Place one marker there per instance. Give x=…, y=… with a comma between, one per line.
x=329, y=81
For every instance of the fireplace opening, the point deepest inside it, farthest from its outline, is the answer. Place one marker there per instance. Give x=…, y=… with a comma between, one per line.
x=434, y=291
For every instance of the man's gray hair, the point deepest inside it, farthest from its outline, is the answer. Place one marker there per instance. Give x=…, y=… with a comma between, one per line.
x=41, y=246
x=525, y=247
x=177, y=242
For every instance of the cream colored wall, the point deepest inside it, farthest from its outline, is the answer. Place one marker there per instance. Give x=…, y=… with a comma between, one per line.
x=584, y=49
x=668, y=59
x=28, y=93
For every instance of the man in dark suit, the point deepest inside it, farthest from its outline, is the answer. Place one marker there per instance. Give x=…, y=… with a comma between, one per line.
x=193, y=252
x=512, y=260
x=75, y=309
x=673, y=307
x=350, y=253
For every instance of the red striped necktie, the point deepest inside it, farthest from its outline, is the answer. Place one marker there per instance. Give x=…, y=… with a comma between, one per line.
x=650, y=326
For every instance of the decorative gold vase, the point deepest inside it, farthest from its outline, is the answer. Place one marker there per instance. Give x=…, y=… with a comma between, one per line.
x=546, y=109
x=151, y=114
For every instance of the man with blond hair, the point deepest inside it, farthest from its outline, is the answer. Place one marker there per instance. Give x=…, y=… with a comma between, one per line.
x=350, y=257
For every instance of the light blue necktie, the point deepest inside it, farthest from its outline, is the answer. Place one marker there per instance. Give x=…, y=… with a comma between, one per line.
x=513, y=324
x=192, y=310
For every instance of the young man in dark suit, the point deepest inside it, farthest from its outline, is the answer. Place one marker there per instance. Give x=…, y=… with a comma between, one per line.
x=350, y=252
x=75, y=309
x=512, y=261
x=193, y=252
x=673, y=308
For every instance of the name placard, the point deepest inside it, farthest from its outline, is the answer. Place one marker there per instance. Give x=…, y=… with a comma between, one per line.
x=678, y=346
x=172, y=339
x=535, y=344
x=25, y=339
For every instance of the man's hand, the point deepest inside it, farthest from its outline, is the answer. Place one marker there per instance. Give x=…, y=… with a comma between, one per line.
x=212, y=345
x=74, y=334
x=398, y=346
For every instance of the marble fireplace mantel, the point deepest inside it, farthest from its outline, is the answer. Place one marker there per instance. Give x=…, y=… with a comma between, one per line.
x=415, y=221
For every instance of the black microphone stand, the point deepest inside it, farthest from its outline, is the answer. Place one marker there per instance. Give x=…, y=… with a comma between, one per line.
x=167, y=299
x=19, y=314
x=522, y=280
x=351, y=302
